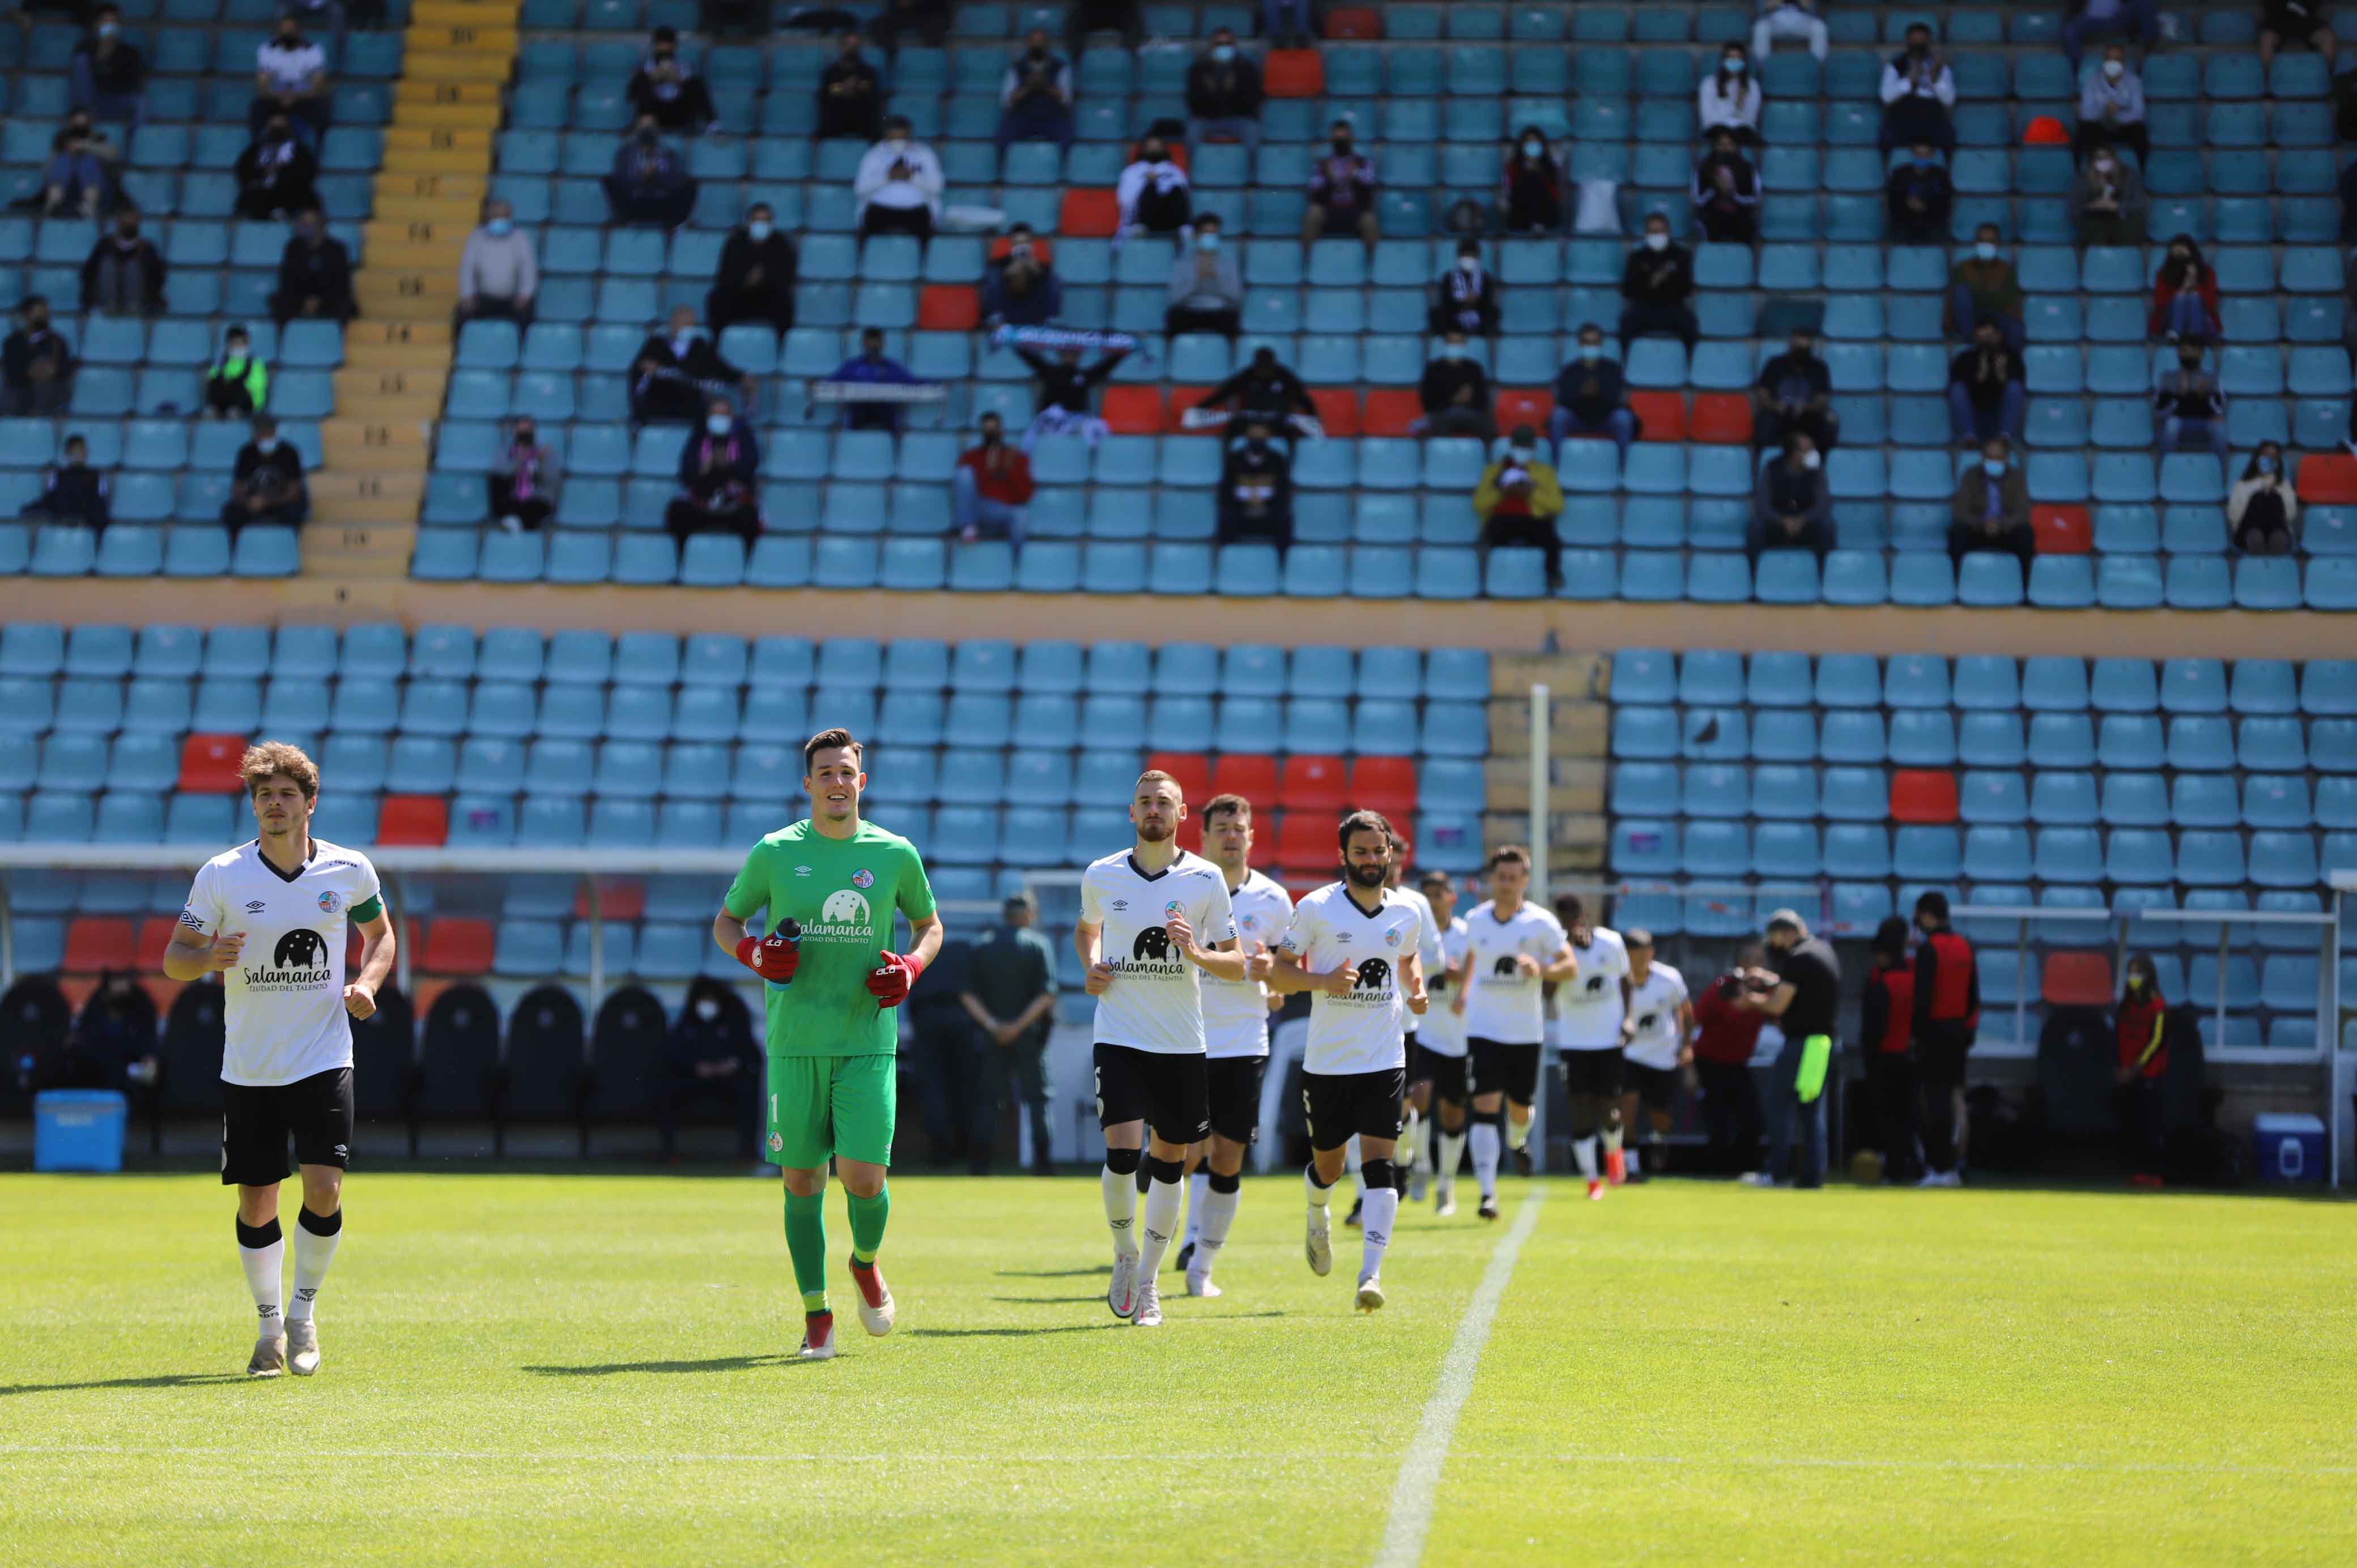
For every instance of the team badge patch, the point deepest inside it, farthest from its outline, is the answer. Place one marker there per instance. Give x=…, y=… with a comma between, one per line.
x=777, y=1144
x=330, y=902
x=1172, y=907
x=1390, y=938
x=863, y=878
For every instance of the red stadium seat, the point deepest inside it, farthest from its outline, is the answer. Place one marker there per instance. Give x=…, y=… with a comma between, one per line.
x=949, y=307
x=1337, y=409
x=94, y=942
x=1305, y=842
x=1314, y=784
x=1292, y=73
x=2063, y=530
x=1523, y=405
x=1922, y=795
x=419, y=821
x=1390, y=410
x=458, y=945
x=1250, y=774
x=1133, y=410
x=1385, y=784
x=1089, y=212
x=618, y=899
x=2078, y=979
x=1721, y=419
x=1663, y=414
x=1354, y=22
x=2330, y=477
x=209, y=764
x=155, y=936
x=1192, y=768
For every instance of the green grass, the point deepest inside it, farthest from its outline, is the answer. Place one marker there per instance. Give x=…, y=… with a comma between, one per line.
x=585, y=1370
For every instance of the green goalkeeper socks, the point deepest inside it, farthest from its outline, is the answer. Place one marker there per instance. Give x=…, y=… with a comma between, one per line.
x=867, y=1218
x=806, y=1243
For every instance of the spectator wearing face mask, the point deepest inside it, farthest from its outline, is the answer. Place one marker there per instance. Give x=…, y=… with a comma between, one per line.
x=1266, y=392
x=1984, y=286
x=107, y=77
x=2111, y=201
x=756, y=277
x=1152, y=193
x=1987, y=397
x=315, y=273
x=1793, y=506
x=1207, y=287
x=1531, y=193
x=124, y=275
x=2262, y=510
x=80, y=179
x=499, y=276
x=649, y=184
x=238, y=383
x=2140, y=1032
x=1919, y=198
x=666, y=89
x=990, y=486
x=1224, y=95
x=290, y=79
x=1519, y=501
x=1454, y=394
x=850, y=95
x=719, y=477
x=1795, y=391
x=709, y=1063
x=1656, y=286
x=1728, y=99
x=1991, y=510
x=1466, y=298
x=523, y=479
x=2188, y=405
x=1591, y=395
x=36, y=365
x=1256, y=491
x=1918, y=91
x=1726, y=193
x=275, y=175
x=1035, y=97
x=872, y=367
x=898, y=185
x=1342, y=190
x=266, y=484
x=678, y=370
x=1021, y=288
x=1790, y=19
x=1064, y=394
x=74, y=493
x=2184, y=293
x=2137, y=20
x=2111, y=108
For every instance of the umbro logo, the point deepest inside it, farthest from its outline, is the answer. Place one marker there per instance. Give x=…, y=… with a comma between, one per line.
x=801, y=871
x=1121, y=903
x=257, y=907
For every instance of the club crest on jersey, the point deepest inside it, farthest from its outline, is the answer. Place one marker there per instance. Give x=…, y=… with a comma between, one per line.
x=1172, y=907
x=863, y=878
x=777, y=1144
x=1390, y=938
x=330, y=902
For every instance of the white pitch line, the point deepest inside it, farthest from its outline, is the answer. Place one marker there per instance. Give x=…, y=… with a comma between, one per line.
x=1419, y=1475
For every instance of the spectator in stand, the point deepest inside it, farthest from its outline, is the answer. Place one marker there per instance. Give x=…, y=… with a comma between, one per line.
x=1591, y=395
x=1728, y=1037
x=1455, y=393
x=499, y=276
x=108, y=77
x=237, y=386
x=124, y=275
x=1087, y=17
x=1289, y=23
x=678, y=372
x=1655, y=287
x=1466, y=298
x=524, y=479
x=2137, y=20
x=1151, y=194
x=1918, y=91
x=719, y=479
x=898, y=184
x=1010, y=993
x=315, y=273
x=1065, y=390
x=2140, y=1029
x=275, y=175
x=2111, y=108
x=649, y=182
x=1021, y=288
x=1920, y=196
x=2111, y=201
x=2284, y=21
x=746, y=18
x=1207, y=287
x=1885, y=1031
x=1342, y=190
x=1991, y=510
x=290, y=79
x=1520, y=501
x=74, y=493
x=2184, y=293
x=1726, y=193
x=1531, y=193
x=1728, y=98
x=80, y=180
x=1983, y=286
x=1256, y=491
x=710, y=1063
x=850, y=94
x=871, y=367
x=926, y=22
x=666, y=90
x=1224, y=95
x=1036, y=96
x=1947, y=1015
x=266, y=484
x=990, y=488
x=1792, y=505
x=1986, y=395
x=1795, y=391
x=2189, y=405
x=2262, y=510
x=36, y=365
x=1789, y=19
x=756, y=278
x=1266, y=392
x=1803, y=995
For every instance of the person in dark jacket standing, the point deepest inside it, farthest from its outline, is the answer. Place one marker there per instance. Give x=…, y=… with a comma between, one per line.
x=315, y=273
x=1010, y=993
x=1256, y=491
x=850, y=95
x=1885, y=1030
x=1728, y=1035
x=1224, y=95
x=709, y=1062
x=75, y=492
x=1802, y=995
x=1947, y=1015
x=1656, y=287
x=2140, y=1026
x=756, y=280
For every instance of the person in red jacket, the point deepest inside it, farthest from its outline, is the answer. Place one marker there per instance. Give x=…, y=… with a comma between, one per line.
x=1947, y=1007
x=2184, y=293
x=2141, y=1029
x=1722, y=1051
x=991, y=487
x=1888, y=1016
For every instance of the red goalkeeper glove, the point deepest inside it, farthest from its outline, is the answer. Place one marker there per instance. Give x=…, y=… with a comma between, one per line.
x=774, y=957
x=889, y=981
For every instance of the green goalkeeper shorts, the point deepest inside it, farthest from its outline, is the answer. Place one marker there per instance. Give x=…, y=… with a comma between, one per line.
x=832, y=1105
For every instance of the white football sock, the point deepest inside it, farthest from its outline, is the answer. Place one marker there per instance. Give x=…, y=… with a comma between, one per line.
x=1452, y=1154
x=1584, y=1150
x=1412, y=1141
x=1317, y=1194
x=313, y=1253
x=1198, y=1191
x=1517, y=1132
x=1159, y=1224
x=1219, y=1213
x=1355, y=1165
x=263, y=1266
x=1485, y=1157
x=1120, y=1190
x=1376, y=1229
x=1629, y=1159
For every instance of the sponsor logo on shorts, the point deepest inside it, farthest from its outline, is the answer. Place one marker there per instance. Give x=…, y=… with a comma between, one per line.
x=863, y=878
x=330, y=902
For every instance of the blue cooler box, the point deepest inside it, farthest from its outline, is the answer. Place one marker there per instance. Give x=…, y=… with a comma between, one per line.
x=2290, y=1148
x=79, y=1130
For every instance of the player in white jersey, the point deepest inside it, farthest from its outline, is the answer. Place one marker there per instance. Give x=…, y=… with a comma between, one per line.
x=1410, y=1172
x=1235, y=1035
x=1589, y=1013
x=273, y=917
x=1436, y=1052
x=1512, y=949
x=1353, y=946
x=1657, y=1043
x=1152, y=919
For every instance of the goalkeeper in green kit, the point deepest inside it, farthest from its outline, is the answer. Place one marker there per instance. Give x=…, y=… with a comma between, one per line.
x=830, y=885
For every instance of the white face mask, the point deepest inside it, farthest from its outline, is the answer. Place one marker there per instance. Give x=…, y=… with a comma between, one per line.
x=2115, y=69
x=708, y=1008
x=1532, y=148
x=1657, y=242
x=760, y=229
x=1591, y=352
x=1468, y=263
x=1452, y=351
x=266, y=444
x=1812, y=460
x=1732, y=64
x=719, y=424
x=1986, y=250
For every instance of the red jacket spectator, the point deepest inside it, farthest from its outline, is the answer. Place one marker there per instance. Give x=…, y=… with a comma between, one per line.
x=2192, y=275
x=1001, y=473
x=2142, y=1029
x=1729, y=1034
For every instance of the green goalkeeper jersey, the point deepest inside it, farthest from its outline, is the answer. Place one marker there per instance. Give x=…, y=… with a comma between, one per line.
x=842, y=892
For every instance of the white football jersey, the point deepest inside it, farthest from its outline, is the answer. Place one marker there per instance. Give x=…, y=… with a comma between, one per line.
x=1587, y=1010
x=284, y=1000
x=1363, y=1031
x=1503, y=1003
x=1235, y=1012
x=1440, y=1030
x=1654, y=1005
x=1156, y=1001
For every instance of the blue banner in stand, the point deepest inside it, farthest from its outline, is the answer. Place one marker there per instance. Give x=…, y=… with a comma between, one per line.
x=1050, y=339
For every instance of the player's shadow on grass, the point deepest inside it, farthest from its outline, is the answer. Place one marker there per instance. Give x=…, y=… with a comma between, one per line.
x=713, y=1364
x=164, y=1381
x=1103, y=1268
x=1054, y=1328
x=1047, y=1300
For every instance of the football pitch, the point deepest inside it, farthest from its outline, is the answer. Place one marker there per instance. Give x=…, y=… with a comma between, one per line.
x=586, y=1369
